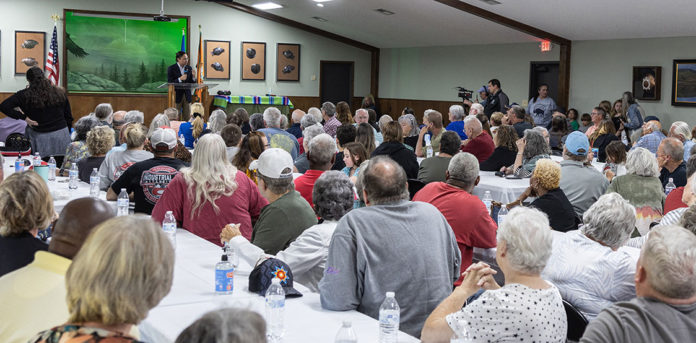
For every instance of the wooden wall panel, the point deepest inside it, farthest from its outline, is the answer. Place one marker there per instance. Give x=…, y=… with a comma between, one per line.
x=393, y=107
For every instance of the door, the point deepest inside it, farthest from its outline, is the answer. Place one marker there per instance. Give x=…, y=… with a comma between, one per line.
x=336, y=81
x=543, y=73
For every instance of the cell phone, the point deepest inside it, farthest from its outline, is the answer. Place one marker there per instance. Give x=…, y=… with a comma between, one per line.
x=500, y=174
x=512, y=177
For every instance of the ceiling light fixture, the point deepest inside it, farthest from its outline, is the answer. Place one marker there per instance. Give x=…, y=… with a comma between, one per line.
x=383, y=11
x=320, y=19
x=320, y=5
x=321, y=0
x=491, y=2
x=267, y=6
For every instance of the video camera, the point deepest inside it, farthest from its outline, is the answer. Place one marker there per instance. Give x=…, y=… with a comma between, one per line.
x=464, y=93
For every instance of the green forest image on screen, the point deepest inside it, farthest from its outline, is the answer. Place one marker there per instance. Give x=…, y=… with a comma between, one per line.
x=117, y=55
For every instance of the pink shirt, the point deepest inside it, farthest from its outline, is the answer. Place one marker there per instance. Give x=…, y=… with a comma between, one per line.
x=242, y=207
x=174, y=125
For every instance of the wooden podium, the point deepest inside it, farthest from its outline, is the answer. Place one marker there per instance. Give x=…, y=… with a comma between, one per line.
x=172, y=87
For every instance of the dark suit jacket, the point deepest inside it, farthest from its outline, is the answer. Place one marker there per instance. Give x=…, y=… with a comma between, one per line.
x=173, y=74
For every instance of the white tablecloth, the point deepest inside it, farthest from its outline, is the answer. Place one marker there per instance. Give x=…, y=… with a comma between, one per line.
x=502, y=189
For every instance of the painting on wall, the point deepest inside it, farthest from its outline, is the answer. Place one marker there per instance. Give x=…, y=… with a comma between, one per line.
x=647, y=82
x=684, y=83
x=253, y=61
x=30, y=50
x=217, y=60
x=288, y=62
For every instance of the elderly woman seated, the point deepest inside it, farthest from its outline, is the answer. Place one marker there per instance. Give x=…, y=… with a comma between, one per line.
x=591, y=267
x=99, y=141
x=530, y=149
x=550, y=199
x=130, y=249
x=526, y=307
x=333, y=197
x=641, y=187
x=227, y=325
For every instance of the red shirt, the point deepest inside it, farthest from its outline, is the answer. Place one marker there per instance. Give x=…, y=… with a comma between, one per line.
x=242, y=207
x=466, y=214
x=481, y=146
x=674, y=201
x=305, y=184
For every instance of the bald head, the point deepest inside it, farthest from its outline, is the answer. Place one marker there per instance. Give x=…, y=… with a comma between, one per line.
x=119, y=118
x=384, y=181
x=297, y=115
x=74, y=224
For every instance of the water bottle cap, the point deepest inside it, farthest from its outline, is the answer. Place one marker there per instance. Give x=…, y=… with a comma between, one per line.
x=94, y=169
x=169, y=212
x=347, y=323
x=390, y=294
x=224, y=257
x=275, y=280
x=123, y=189
x=671, y=180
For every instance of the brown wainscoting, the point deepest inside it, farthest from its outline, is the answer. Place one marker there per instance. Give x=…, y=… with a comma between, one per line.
x=305, y=102
x=393, y=107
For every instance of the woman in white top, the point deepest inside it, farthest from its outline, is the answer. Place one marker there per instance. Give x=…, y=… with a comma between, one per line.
x=333, y=198
x=526, y=309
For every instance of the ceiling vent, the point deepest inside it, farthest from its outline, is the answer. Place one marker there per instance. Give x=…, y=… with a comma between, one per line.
x=491, y=2
x=383, y=11
x=320, y=19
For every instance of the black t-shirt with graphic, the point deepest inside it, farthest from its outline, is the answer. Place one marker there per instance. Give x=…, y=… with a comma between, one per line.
x=147, y=180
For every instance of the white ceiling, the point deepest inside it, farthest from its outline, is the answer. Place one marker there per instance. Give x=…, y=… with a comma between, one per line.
x=418, y=23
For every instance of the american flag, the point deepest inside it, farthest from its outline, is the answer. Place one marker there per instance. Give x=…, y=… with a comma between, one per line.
x=52, y=66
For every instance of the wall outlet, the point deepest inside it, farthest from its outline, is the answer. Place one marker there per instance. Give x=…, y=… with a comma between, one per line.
x=313, y=78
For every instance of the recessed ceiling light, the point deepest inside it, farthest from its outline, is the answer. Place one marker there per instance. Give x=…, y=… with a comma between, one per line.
x=320, y=5
x=322, y=0
x=383, y=11
x=267, y=6
x=320, y=19
x=491, y=2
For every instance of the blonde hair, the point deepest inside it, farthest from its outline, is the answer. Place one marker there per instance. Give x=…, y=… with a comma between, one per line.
x=548, y=173
x=211, y=175
x=135, y=134
x=124, y=269
x=100, y=140
x=197, y=127
x=197, y=107
x=25, y=204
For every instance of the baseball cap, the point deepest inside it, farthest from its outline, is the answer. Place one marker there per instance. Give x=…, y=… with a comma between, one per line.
x=577, y=141
x=483, y=89
x=163, y=137
x=649, y=118
x=260, y=278
x=274, y=163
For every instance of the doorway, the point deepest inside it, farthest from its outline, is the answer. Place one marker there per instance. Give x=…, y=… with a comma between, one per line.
x=543, y=73
x=336, y=81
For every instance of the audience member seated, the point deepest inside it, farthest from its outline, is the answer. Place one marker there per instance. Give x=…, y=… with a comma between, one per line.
x=641, y=187
x=362, y=116
x=173, y=116
x=10, y=125
x=354, y=155
x=36, y=292
x=409, y=126
x=77, y=150
x=331, y=123
x=652, y=136
x=345, y=134
x=210, y=194
x=117, y=162
x=473, y=228
x=372, y=118
x=531, y=148
x=365, y=136
x=573, y=120
x=550, y=198
x=307, y=121
x=135, y=116
x=616, y=160
x=104, y=114
x=256, y=122
x=26, y=207
x=688, y=219
x=580, y=181
x=432, y=124
x=123, y=270
x=192, y=128
x=99, y=141
x=669, y=159
x=591, y=267
x=384, y=120
x=516, y=117
x=277, y=137
x=480, y=143
x=361, y=265
x=394, y=147
x=485, y=123
x=146, y=181
x=240, y=116
x=232, y=135
x=287, y=215
x=598, y=115
x=295, y=129
x=251, y=147
x=585, y=122
x=218, y=120
x=301, y=162
x=162, y=121
x=665, y=284
x=688, y=198
x=526, y=308
x=681, y=131
x=505, y=151
x=674, y=198
x=456, y=117
x=226, y=325
x=602, y=137
x=306, y=256
x=343, y=113
x=496, y=121
x=321, y=155
x=559, y=130
x=434, y=169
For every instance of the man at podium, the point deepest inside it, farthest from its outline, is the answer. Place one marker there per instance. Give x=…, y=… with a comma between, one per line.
x=181, y=72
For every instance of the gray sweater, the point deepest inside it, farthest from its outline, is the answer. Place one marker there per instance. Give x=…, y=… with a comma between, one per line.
x=404, y=247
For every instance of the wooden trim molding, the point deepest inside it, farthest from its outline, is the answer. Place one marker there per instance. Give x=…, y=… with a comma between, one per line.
x=564, y=76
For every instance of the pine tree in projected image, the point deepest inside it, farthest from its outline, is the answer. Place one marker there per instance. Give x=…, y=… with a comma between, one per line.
x=142, y=75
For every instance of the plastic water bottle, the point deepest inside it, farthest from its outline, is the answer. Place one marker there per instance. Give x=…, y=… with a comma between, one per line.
x=501, y=214
x=182, y=139
x=37, y=160
x=123, y=203
x=94, y=181
x=51, y=169
x=232, y=256
x=487, y=200
x=74, y=178
x=169, y=227
x=346, y=334
x=428, y=146
x=224, y=276
x=389, y=317
x=670, y=186
x=275, y=311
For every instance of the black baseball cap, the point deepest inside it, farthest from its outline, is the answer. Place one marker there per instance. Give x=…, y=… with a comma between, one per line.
x=260, y=278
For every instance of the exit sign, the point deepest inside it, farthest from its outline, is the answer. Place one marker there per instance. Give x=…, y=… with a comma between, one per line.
x=545, y=46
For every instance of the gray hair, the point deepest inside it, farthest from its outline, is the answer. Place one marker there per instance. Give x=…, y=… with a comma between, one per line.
x=316, y=113
x=271, y=116
x=172, y=113
x=383, y=120
x=157, y=122
x=227, y=325
x=310, y=132
x=669, y=257
x=680, y=128
x=688, y=219
x=103, y=111
x=134, y=116
x=610, y=220
x=535, y=144
x=256, y=122
x=329, y=108
x=474, y=123
x=308, y=121
x=384, y=181
x=83, y=125
x=218, y=120
x=411, y=119
x=457, y=112
x=332, y=195
x=673, y=148
x=642, y=162
x=528, y=237
x=279, y=185
x=283, y=122
x=321, y=149
x=518, y=111
x=464, y=167
x=477, y=107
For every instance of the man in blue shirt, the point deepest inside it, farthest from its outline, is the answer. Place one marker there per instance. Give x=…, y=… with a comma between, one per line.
x=652, y=136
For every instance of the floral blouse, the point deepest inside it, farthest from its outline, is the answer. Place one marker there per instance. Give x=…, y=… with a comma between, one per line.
x=72, y=333
x=75, y=152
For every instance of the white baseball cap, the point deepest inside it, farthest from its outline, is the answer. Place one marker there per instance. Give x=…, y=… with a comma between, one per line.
x=163, y=136
x=274, y=163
